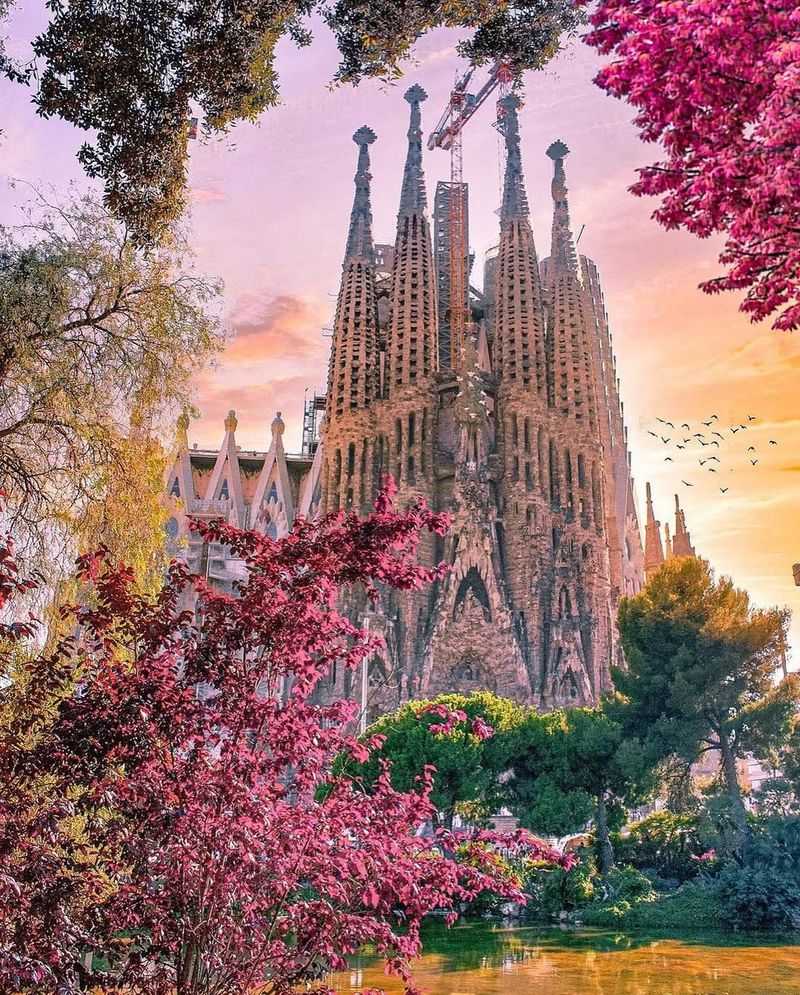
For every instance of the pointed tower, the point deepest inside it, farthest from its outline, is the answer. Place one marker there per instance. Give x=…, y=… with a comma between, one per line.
x=412, y=352
x=681, y=541
x=523, y=439
x=653, y=550
x=410, y=399
x=353, y=375
x=519, y=324
x=573, y=377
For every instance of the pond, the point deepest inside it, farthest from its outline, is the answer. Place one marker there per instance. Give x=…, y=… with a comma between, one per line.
x=486, y=959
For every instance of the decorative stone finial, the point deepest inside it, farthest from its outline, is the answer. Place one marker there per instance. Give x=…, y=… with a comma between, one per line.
x=558, y=150
x=562, y=252
x=415, y=94
x=515, y=200
x=413, y=199
x=359, y=237
x=364, y=136
x=278, y=427
x=231, y=421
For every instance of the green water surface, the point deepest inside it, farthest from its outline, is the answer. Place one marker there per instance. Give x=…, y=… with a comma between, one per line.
x=486, y=959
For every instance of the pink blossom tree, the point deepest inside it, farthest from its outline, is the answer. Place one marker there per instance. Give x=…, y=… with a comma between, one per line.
x=168, y=799
x=717, y=84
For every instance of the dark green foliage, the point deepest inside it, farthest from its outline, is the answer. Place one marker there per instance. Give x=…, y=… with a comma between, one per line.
x=765, y=892
x=467, y=767
x=572, y=766
x=554, y=890
x=694, y=906
x=665, y=844
x=700, y=671
x=133, y=73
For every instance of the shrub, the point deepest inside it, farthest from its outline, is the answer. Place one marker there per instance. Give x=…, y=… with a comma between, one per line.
x=664, y=844
x=555, y=890
x=765, y=892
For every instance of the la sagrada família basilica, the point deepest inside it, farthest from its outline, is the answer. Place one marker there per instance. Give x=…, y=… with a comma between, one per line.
x=517, y=430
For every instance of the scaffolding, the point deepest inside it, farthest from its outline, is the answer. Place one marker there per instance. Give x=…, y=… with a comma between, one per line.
x=313, y=409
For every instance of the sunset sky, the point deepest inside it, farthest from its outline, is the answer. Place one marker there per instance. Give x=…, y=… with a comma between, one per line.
x=269, y=216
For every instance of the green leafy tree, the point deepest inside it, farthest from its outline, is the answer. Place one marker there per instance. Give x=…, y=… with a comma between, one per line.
x=540, y=791
x=98, y=344
x=699, y=676
x=132, y=73
x=462, y=736
x=575, y=765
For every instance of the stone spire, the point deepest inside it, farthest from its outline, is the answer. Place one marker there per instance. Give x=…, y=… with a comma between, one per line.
x=515, y=200
x=412, y=348
x=354, y=361
x=562, y=252
x=359, y=238
x=413, y=199
x=653, y=550
x=667, y=542
x=575, y=377
x=519, y=324
x=681, y=540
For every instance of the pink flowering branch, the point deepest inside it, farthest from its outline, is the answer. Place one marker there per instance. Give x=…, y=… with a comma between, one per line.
x=168, y=792
x=717, y=84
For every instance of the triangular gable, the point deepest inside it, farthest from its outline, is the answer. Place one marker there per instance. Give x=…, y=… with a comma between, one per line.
x=273, y=503
x=226, y=480
x=311, y=487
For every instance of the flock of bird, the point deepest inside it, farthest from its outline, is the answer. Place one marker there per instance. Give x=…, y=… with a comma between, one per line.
x=713, y=440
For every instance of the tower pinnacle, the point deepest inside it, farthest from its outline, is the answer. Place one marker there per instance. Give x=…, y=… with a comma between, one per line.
x=653, y=550
x=359, y=238
x=562, y=253
x=681, y=540
x=412, y=196
x=515, y=200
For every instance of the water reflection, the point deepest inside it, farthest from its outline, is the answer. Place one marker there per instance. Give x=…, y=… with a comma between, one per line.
x=481, y=959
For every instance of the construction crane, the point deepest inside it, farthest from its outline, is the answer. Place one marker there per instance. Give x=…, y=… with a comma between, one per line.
x=447, y=135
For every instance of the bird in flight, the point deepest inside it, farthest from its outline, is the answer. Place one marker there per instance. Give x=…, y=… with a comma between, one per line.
x=686, y=426
x=712, y=469
x=714, y=443
x=751, y=449
x=734, y=430
x=704, y=443
x=697, y=435
x=718, y=435
x=667, y=459
x=707, y=423
x=686, y=483
x=754, y=461
x=751, y=417
x=744, y=427
x=724, y=490
x=772, y=442
x=714, y=457
x=702, y=462
x=688, y=440
x=680, y=446
x=654, y=434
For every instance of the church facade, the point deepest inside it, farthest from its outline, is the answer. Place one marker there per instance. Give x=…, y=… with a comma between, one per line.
x=517, y=431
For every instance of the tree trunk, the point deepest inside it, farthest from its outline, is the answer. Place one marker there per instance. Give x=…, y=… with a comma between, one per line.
x=738, y=810
x=606, y=851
